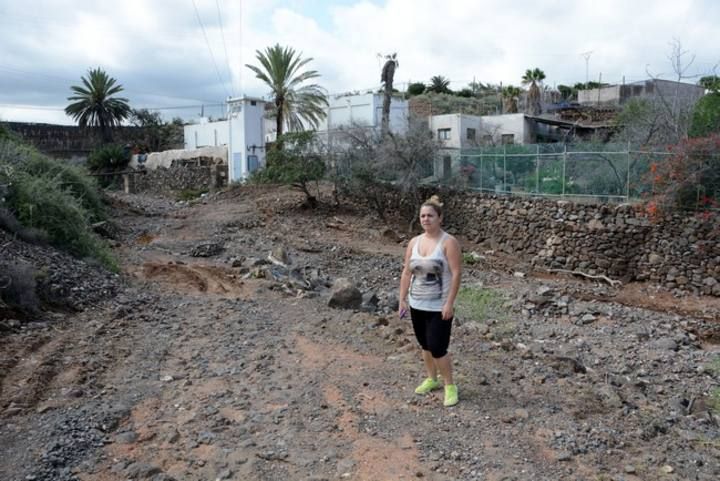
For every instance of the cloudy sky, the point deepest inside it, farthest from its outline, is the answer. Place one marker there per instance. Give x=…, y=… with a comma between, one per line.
x=176, y=55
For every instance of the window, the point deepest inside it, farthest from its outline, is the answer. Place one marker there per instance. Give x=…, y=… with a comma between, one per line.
x=471, y=134
x=443, y=134
x=508, y=139
x=252, y=102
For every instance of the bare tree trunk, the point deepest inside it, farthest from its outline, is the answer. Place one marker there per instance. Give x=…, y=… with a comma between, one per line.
x=386, y=109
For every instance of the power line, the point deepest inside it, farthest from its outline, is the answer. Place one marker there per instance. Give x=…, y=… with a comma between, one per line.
x=207, y=42
x=227, y=57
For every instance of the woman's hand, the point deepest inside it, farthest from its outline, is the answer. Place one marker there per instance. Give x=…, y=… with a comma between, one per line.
x=403, y=309
x=448, y=312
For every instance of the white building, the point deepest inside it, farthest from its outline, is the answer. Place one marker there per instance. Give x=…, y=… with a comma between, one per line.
x=347, y=110
x=460, y=131
x=241, y=133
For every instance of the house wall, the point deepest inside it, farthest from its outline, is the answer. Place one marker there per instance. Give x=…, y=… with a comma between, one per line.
x=364, y=110
x=602, y=95
x=516, y=124
x=206, y=134
x=493, y=125
x=688, y=94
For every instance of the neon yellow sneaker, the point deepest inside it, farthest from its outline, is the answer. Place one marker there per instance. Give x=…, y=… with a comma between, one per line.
x=451, y=395
x=428, y=385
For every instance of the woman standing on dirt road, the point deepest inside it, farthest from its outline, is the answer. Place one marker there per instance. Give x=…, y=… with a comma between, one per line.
x=428, y=287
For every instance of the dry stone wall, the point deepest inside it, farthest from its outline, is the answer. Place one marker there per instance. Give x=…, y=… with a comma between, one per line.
x=619, y=241
x=164, y=180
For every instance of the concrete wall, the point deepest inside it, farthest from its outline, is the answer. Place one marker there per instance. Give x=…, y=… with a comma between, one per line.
x=206, y=134
x=604, y=95
x=687, y=94
x=365, y=110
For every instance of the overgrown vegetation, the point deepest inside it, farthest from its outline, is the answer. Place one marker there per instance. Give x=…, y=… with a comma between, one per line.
x=156, y=135
x=108, y=159
x=689, y=178
x=294, y=160
x=45, y=199
x=367, y=165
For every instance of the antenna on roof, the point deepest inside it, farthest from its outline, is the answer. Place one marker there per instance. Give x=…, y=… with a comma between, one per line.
x=587, y=65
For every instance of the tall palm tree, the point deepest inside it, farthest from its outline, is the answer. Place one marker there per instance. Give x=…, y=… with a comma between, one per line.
x=533, y=78
x=387, y=76
x=295, y=105
x=510, y=96
x=94, y=105
x=439, y=85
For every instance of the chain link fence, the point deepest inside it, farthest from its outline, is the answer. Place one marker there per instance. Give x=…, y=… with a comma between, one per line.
x=601, y=172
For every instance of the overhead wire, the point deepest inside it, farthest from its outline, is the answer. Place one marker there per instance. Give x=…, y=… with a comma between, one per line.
x=227, y=57
x=207, y=42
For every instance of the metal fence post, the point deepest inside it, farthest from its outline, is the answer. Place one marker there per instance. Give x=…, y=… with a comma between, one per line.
x=537, y=169
x=481, y=169
x=504, y=188
x=627, y=187
x=563, y=169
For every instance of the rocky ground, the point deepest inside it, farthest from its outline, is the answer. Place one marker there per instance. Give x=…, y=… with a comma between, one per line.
x=216, y=355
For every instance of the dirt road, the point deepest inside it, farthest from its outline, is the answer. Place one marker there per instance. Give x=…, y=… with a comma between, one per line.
x=210, y=365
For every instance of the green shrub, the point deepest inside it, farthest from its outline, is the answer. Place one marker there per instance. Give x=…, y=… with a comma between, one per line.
x=48, y=197
x=108, y=158
x=72, y=178
x=293, y=161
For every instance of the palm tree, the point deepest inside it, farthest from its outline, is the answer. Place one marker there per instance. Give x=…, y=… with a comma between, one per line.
x=533, y=78
x=387, y=76
x=439, y=85
x=295, y=105
x=510, y=96
x=94, y=105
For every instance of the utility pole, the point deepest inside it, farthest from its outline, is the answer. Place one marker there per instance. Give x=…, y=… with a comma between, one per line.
x=586, y=55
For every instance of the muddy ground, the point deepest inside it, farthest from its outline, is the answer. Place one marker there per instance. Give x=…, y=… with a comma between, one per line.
x=209, y=362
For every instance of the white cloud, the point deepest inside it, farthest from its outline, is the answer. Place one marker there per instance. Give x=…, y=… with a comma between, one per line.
x=158, y=51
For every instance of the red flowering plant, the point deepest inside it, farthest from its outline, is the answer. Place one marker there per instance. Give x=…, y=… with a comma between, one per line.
x=688, y=179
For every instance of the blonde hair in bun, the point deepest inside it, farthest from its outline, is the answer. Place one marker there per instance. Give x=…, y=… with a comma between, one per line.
x=435, y=203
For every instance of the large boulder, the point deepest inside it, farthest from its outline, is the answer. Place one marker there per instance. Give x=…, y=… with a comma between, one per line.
x=345, y=295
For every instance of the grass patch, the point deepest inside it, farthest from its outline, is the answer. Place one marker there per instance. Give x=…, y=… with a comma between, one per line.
x=479, y=304
x=471, y=258
x=190, y=194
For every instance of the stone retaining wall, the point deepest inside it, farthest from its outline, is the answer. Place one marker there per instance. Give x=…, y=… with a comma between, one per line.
x=620, y=241
x=165, y=180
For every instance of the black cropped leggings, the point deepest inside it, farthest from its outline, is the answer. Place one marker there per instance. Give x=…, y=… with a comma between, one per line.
x=431, y=331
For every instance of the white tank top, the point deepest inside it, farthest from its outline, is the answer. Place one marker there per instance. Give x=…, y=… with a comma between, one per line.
x=431, y=278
